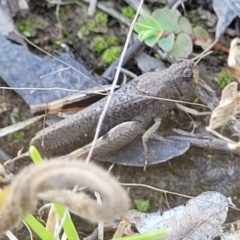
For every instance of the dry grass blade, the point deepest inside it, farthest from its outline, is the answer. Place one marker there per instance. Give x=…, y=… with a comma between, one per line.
x=114, y=83
x=18, y=126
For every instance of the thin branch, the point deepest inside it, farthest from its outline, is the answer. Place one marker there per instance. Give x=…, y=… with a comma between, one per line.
x=114, y=83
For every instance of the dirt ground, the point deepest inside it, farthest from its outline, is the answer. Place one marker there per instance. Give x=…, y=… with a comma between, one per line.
x=196, y=171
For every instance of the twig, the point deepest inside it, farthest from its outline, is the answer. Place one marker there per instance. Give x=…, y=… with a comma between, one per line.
x=92, y=7
x=114, y=84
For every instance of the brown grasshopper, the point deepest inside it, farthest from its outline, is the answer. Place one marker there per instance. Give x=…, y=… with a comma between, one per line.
x=132, y=109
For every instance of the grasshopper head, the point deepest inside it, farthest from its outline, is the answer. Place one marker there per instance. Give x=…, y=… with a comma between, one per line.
x=187, y=71
x=186, y=76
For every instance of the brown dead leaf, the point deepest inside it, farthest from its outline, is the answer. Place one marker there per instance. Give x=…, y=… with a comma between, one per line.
x=228, y=106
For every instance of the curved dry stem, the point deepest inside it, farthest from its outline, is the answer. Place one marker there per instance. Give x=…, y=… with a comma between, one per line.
x=50, y=179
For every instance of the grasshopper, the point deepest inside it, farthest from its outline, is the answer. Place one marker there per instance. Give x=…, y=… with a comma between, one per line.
x=133, y=108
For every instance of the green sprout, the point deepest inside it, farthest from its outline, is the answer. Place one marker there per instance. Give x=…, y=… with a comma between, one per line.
x=26, y=28
x=99, y=44
x=128, y=12
x=111, y=54
x=96, y=25
x=142, y=205
x=91, y=26
x=36, y=226
x=84, y=31
x=112, y=41
x=172, y=32
x=224, y=78
x=101, y=18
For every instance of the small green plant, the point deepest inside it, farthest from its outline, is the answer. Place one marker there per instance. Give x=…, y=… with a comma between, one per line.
x=112, y=41
x=84, y=31
x=128, y=12
x=91, y=26
x=68, y=225
x=172, y=32
x=99, y=44
x=26, y=28
x=108, y=47
x=101, y=18
x=98, y=24
x=142, y=205
x=224, y=78
x=111, y=54
x=36, y=226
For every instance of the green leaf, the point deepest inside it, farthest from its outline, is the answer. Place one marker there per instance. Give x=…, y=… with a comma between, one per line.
x=200, y=32
x=35, y=155
x=148, y=34
x=164, y=20
x=166, y=44
x=174, y=15
x=68, y=225
x=140, y=27
x=147, y=236
x=202, y=36
x=140, y=35
x=151, y=41
x=38, y=228
x=182, y=47
x=185, y=25
x=150, y=22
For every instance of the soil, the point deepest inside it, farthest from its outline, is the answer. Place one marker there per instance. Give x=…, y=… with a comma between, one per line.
x=196, y=171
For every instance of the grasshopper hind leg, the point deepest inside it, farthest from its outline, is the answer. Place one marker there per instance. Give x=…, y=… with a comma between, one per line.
x=113, y=140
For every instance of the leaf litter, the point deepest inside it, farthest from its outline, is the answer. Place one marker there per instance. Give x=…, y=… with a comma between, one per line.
x=229, y=106
x=201, y=218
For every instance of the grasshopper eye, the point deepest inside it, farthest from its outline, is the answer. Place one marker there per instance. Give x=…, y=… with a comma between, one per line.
x=188, y=74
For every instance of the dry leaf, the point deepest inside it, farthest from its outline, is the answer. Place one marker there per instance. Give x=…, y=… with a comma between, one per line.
x=233, y=234
x=228, y=106
x=234, y=58
x=201, y=218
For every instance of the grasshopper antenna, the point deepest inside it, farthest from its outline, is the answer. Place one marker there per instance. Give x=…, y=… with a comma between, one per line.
x=205, y=52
